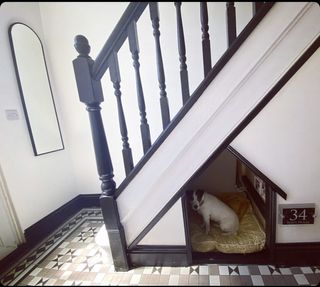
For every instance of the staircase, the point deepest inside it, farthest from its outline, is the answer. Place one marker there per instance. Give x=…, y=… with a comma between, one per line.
x=232, y=93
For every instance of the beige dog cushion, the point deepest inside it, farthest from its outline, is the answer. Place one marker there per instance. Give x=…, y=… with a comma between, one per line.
x=250, y=237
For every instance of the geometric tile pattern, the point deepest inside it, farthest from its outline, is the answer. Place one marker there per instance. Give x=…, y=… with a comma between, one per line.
x=78, y=255
x=28, y=262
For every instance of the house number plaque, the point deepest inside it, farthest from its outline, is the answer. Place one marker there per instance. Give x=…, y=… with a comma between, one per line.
x=297, y=213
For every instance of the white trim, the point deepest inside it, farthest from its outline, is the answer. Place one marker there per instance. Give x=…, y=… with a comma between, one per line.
x=9, y=210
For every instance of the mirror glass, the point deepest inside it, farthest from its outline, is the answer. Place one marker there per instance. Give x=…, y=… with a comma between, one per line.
x=35, y=89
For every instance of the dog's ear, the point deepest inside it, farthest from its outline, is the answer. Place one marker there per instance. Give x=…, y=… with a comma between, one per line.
x=199, y=194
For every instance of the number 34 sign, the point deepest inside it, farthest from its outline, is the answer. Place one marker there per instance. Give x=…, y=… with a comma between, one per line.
x=297, y=213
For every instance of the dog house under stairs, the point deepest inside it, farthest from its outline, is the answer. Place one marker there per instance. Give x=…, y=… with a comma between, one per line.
x=231, y=178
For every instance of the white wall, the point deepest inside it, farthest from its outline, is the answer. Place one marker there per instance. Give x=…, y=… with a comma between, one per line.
x=169, y=230
x=219, y=176
x=284, y=143
x=37, y=184
x=62, y=21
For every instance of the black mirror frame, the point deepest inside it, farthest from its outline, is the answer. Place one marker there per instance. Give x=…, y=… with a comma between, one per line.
x=22, y=95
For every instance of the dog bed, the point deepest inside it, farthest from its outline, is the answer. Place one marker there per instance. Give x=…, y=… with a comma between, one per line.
x=250, y=237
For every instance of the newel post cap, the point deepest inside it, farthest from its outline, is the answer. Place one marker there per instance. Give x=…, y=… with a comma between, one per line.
x=82, y=46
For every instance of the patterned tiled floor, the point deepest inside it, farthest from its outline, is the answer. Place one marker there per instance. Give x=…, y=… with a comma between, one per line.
x=78, y=254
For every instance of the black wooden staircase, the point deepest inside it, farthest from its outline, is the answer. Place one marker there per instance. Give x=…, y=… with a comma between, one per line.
x=89, y=74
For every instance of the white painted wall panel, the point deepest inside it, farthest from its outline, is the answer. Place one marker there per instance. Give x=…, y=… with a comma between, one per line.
x=169, y=230
x=284, y=143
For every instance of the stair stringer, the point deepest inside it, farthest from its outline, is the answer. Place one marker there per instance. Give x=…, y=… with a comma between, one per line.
x=232, y=95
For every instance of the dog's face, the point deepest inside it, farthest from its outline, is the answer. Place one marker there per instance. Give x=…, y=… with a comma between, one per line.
x=196, y=199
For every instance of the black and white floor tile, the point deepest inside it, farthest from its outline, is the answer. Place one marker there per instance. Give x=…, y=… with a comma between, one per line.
x=77, y=254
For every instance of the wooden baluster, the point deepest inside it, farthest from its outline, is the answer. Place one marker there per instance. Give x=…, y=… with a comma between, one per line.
x=90, y=93
x=256, y=6
x=154, y=15
x=231, y=23
x=134, y=49
x=206, y=50
x=182, y=56
x=115, y=79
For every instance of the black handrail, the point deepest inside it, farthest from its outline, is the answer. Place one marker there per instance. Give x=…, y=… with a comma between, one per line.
x=117, y=37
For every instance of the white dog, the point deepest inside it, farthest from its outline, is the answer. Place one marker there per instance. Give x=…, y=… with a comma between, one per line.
x=210, y=207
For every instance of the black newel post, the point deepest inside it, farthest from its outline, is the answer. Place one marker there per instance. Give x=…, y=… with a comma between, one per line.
x=90, y=93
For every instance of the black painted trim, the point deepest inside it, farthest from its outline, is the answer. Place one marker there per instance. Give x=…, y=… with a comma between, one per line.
x=261, y=257
x=256, y=171
x=158, y=248
x=22, y=95
x=297, y=254
x=44, y=227
x=184, y=201
x=158, y=255
x=283, y=255
x=271, y=220
x=197, y=93
x=89, y=200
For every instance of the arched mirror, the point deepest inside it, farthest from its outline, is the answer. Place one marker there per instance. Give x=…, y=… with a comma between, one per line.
x=35, y=89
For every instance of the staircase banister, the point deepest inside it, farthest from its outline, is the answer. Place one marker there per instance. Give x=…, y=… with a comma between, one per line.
x=117, y=37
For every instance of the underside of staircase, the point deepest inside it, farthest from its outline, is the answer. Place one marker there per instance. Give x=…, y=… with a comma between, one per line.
x=258, y=63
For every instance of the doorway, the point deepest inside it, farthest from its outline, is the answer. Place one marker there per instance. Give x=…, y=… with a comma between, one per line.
x=11, y=234
x=232, y=179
